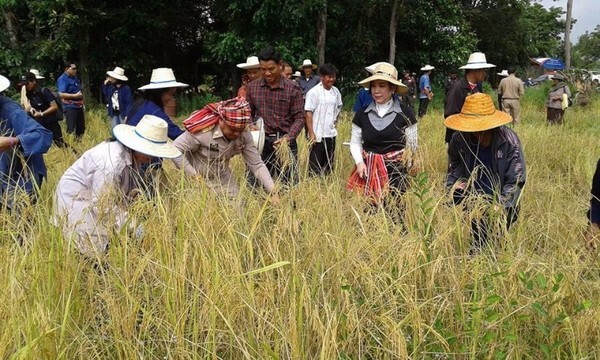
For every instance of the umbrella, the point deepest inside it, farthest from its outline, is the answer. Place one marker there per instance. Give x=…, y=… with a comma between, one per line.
x=553, y=64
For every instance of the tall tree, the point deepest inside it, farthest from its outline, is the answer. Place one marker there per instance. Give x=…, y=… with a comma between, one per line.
x=393, y=26
x=321, y=33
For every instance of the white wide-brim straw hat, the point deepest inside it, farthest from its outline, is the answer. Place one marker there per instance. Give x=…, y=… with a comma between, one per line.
x=118, y=73
x=37, y=74
x=386, y=72
x=503, y=73
x=148, y=137
x=427, y=68
x=477, y=114
x=162, y=78
x=297, y=74
x=258, y=136
x=307, y=63
x=371, y=68
x=251, y=63
x=4, y=83
x=477, y=60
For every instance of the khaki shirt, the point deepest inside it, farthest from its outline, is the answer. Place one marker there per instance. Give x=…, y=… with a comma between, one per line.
x=208, y=154
x=511, y=87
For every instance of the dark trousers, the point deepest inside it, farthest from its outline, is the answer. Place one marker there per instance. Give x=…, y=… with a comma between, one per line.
x=554, y=116
x=287, y=174
x=320, y=160
x=75, y=121
x=423, y=104
x=486, y=226
x=54, y=127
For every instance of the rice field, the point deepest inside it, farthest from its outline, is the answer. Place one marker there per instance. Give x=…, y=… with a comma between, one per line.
x=318, y=276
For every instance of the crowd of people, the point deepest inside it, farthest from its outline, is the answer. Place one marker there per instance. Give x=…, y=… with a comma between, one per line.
x=262, y=124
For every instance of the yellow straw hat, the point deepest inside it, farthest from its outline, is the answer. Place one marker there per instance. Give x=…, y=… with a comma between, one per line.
x=386, y=72
x=478, y=114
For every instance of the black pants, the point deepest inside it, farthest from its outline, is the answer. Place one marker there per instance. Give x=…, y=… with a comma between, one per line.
x=423, y=103
x=54, y=127
x=75, y=121
x=554, y=116
x=321, y=156
x=287, y=175
x=486, y=226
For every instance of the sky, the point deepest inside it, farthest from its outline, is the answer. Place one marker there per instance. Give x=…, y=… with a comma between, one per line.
x=585, y=11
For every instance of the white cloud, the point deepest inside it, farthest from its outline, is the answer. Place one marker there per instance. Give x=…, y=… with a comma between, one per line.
x=585, y=11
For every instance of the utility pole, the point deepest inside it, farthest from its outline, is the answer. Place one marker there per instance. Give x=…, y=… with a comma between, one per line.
x=568, y=35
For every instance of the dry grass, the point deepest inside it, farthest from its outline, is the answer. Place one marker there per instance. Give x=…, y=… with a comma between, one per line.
x=318, y=277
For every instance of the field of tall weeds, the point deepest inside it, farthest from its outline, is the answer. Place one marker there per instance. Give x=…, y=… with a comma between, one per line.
x=321, y=275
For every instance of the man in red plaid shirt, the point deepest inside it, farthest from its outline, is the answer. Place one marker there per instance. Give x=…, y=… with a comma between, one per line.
x=278, y=101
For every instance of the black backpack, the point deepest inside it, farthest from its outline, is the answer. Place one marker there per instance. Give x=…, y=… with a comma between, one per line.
x=59, y=112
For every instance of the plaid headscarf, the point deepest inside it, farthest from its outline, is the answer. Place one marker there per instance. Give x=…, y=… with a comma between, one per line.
x=235, y=112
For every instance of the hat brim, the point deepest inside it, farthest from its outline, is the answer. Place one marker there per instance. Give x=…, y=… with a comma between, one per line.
x=127, y=136
x=117, y=76
x=163, y=85
x=314, y=66
x=425, y=68
x=502, y=74
x=4, y=83
x=400, y=87
x=477, y=66
x=473, y=123
x=247, y=66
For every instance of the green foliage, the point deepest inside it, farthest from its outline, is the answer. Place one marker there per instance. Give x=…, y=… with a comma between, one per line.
x=587, y=50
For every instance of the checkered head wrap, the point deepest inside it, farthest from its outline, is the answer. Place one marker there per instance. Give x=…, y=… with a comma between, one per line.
x=235, y=112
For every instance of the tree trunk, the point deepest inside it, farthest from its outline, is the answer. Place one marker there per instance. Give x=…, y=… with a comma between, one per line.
x=84, y=62
x=322, y=33
x=393, y=25
x=11, y=28
x=568, y=35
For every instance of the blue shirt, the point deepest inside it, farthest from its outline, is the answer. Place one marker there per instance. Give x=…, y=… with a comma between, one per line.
x=125, y=98
x=424, y=83
x=150, y=108
x=307, y=84
x=34, y=140
x=363, y=99
x=69, y=85
x=484, y=162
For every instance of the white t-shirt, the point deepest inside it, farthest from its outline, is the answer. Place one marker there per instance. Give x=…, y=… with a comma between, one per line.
x=325, y=106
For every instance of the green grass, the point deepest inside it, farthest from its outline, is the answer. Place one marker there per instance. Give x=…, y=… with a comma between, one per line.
x=317, y=277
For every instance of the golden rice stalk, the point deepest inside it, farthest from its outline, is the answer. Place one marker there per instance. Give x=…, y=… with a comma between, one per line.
x=284, y=155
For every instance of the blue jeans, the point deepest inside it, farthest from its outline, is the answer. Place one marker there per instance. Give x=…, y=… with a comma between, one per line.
x=116, y=120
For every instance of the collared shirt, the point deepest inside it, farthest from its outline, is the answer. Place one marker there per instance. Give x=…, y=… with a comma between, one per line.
x=325, y=106
x=92, y=195
x=424, y=84
x=281, y=107
x=150, y=108
x=69, y=85
x=40, y=99
x=208, y=154
x=34, y=141
x=511, y=88
x=308, y=83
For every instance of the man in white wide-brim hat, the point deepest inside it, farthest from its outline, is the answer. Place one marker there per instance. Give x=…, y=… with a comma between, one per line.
x=252, y=67
x=117, y=95
x=475, y=73
x=308, y=79
x=93, y=195
x=510, y=91
x=425, y=93
x=22, y=144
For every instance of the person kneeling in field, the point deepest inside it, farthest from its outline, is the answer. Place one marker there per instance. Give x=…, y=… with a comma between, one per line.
x=214, y=135
x=592, y=236
x=93, y=195
x=486, y=159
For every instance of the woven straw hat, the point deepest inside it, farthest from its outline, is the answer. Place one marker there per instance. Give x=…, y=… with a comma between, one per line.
x=478, y=114
x=386, y=72
x=307, y=63
x=148, y=137
x=427, y=68
x=37, y=74
x=4, y=83
x=503, y=73
x=118, y=73
x=251, y=63
x=371, y=68
x=477, y=60
x=162, y=78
